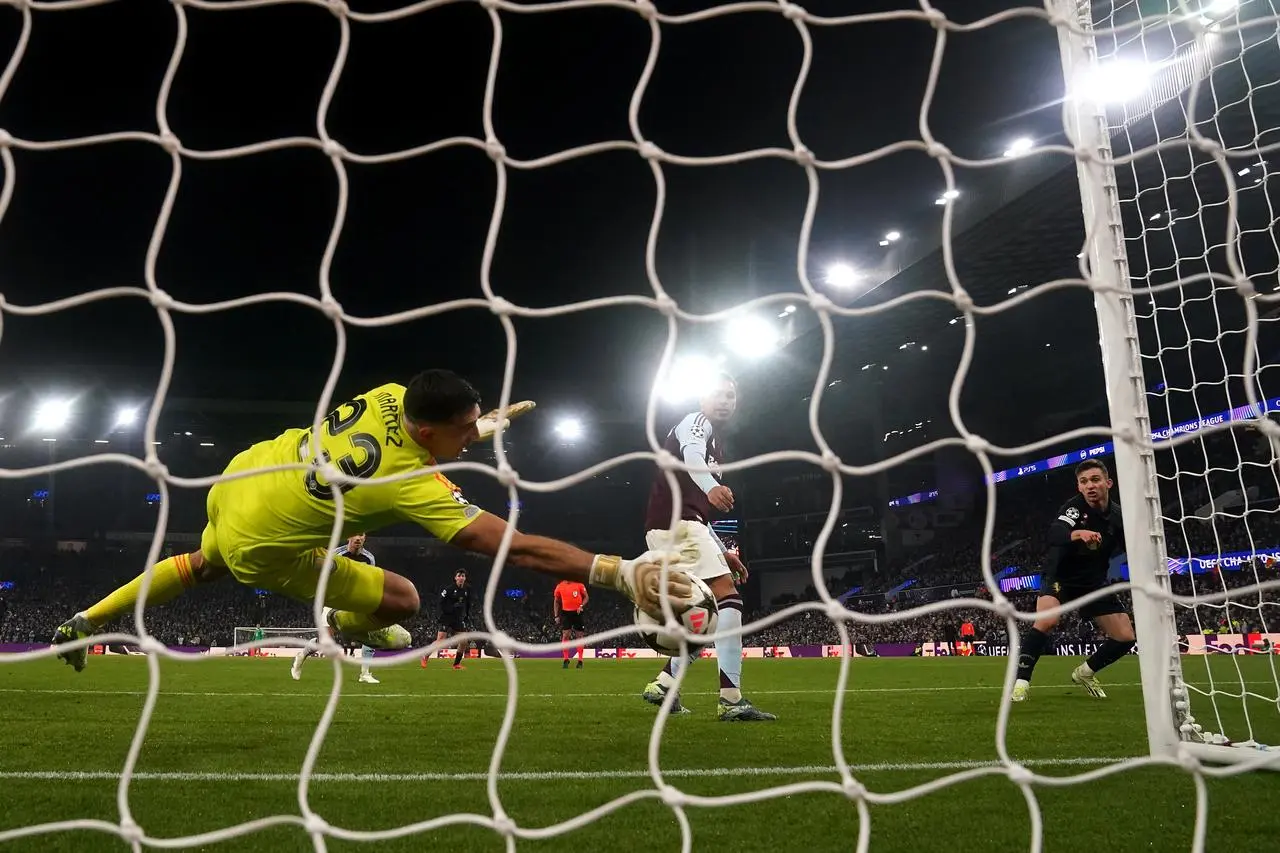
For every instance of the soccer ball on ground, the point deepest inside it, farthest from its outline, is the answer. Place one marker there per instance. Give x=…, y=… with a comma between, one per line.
x=699, y=618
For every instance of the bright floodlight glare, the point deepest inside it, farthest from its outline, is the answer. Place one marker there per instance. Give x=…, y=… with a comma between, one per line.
x=751, y=336
x=569, y=428
x=841, y=275
x=1220, y=7
x=126, y=416
x=949, y=195
x=52, y=415
x=1115, y=82
x=790, y=309
x=688, y=379
x=893, y=236
x=1020, y=145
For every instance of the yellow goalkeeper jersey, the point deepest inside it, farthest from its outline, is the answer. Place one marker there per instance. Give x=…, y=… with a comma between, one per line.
x=363, y=438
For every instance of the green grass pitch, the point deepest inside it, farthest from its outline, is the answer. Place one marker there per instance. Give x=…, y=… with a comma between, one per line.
x=229, y=735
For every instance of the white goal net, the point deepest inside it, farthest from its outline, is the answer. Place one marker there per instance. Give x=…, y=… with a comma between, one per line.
x=1181, y=252
x=242, y=635
x=1191, y=120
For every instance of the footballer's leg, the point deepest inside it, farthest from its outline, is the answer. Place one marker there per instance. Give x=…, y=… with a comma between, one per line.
x=1033, y=643
x=170, y=578
x=712, y=567
x=363, y=603
x=1108, y=614
x=366, y=675
x=734, y=707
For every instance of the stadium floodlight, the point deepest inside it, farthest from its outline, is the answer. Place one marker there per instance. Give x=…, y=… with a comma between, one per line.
x=1019, y=146
x=688, y=379
x=51, y=415
x=126, y=416
x=569, y=429
x=842, y=275
x=787, y=312
x=947, y=196
x=893, y=236
x=751, y=336
x=1115, y=82
x=1220, y=7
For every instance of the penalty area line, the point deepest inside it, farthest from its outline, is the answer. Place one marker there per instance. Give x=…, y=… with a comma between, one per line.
x=538, y=775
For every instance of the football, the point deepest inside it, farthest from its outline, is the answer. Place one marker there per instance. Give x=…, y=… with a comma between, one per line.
x=700, y=617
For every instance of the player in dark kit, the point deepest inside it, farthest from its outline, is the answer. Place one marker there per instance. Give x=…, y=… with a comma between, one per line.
x=455, y=613
x=701, y=493
x=1082, y=540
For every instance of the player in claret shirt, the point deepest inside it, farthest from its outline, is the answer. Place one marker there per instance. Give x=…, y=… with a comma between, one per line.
x=569, y=598
x=701, y=494
x=1082, y=540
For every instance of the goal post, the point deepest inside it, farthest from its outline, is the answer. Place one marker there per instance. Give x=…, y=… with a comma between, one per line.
x=1185, y=75
x=247, y=635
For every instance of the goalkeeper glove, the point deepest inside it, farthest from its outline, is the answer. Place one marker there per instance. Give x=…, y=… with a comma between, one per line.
x=640, y=580
x=487, y=424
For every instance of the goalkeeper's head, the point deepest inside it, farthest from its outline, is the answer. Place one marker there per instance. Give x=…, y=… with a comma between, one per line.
x=440, y=412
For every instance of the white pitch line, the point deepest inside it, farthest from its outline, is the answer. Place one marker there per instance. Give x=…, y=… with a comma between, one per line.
x=430, y=695
x=537, y=775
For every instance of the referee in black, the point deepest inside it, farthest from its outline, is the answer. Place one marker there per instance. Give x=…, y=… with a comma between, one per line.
x=1082, y=540
x=455, y=613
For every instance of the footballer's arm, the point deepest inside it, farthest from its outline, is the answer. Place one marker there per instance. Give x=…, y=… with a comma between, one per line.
x=637, y=579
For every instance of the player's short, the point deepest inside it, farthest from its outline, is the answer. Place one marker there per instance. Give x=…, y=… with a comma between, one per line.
x=699, y=553
x=571, y=620
x=243, y=535
x=451, y=625
x=1066, y=592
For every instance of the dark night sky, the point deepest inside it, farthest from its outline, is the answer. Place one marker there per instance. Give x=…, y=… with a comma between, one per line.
x=415, y=229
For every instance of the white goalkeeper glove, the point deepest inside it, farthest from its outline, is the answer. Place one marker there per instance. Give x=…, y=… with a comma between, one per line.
x=640, y=580
x=487, y=424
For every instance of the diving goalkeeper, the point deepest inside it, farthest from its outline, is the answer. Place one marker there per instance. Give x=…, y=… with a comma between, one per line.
x=270, y=530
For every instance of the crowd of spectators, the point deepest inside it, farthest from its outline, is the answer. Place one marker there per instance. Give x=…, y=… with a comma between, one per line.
x=41, y=585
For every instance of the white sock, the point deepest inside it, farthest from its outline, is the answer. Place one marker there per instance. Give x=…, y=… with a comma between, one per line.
x=729, y=649
x=312, y=647
x=367, y=654
x=1084, y=670
x=667, y=678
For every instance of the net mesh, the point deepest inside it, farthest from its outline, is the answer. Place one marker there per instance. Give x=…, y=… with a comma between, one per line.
x=1199, y=212
x=1169, y=171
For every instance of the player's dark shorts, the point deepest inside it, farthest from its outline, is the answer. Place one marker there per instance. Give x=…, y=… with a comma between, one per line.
x=452, y=624
x=571, y=620
x=1066, y=592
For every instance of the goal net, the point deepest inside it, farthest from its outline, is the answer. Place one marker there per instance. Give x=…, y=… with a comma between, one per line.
x=1173, y=115
x=242, y=635
x=1189, y=111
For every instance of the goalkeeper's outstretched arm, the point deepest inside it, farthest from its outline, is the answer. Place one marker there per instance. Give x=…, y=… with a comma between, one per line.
x=637, y=579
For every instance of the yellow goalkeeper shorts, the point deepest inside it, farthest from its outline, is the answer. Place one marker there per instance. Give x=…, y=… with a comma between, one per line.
x=250, y=542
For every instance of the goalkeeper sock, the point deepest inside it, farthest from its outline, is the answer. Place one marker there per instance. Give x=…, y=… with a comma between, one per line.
x=169, y=579
x=729, y=649
x=1033, y=645
x=366, y=654
x=355, y=625
x=1108, y=653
